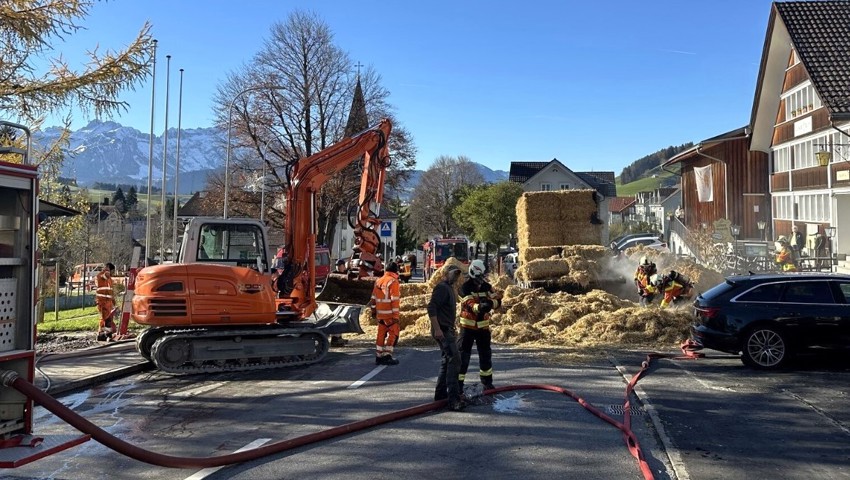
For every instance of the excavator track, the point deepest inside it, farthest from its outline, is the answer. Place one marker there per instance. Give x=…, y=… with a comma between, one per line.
x=210, y=351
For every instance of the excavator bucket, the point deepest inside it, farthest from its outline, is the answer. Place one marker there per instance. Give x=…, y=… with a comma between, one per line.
x=339, y=289
x=336, y=319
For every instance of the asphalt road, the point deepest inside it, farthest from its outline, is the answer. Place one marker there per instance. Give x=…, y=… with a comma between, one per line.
x=704, y=419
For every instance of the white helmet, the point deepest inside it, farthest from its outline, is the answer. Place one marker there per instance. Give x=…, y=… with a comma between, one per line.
x=655, y=280
x=476, y=269
x=644, y=260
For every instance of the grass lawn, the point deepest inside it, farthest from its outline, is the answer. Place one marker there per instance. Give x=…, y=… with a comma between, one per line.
x=85, y=319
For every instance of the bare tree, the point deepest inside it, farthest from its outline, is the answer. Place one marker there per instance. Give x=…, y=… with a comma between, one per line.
x=434, y=197
x=304, y=88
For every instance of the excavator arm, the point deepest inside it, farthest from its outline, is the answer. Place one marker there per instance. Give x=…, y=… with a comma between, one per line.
x=301, y=224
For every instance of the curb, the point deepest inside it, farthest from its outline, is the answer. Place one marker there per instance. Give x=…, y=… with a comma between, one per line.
x=109, y=348
x=99, y=378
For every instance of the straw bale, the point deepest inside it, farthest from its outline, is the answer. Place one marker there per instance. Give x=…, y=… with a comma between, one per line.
x=533, y=253
x=410, y=317
x=589, y=252
x=542, y=270
x=438, y=275
x=501, y=282
x=410, y=289
x=540, y=233
x=556, y=218
x=414, y=302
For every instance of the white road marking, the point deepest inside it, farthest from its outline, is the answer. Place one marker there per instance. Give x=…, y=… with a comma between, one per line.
x=196, y=391
x=209, y=471
x=367, y=377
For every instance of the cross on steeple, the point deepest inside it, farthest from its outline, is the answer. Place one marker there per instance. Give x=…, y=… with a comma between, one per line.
x=358, y=65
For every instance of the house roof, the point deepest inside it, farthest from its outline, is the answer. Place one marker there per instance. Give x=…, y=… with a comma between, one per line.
x=620, y=204
x=820, y=33
x=602, y=182
x=736, y=134
x=195, y=207
x=522, y=171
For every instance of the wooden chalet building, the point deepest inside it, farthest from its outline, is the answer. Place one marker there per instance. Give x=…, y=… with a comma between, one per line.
x=801, y=116
x=723, y=183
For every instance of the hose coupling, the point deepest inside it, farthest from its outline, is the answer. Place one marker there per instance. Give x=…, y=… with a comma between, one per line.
x=7, y=377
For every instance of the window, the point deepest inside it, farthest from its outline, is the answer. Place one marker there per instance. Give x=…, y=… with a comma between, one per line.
x=564, y=186
x=763, y=293
x=845, y=290
x=808, y=292
x=241, y=244
x=783, y=208
x=811, y=208
x=545, y=187
x=801, y=101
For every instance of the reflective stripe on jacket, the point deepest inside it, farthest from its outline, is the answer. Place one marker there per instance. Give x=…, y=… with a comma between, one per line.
x=785, y=259
x=471, y=296
x=671, y=291
x=104, y=286
x=385, y=297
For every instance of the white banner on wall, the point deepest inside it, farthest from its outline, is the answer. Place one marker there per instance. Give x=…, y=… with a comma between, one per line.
x=705, y=183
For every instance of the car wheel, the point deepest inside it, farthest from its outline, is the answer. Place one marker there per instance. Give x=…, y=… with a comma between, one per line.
x=765, y=347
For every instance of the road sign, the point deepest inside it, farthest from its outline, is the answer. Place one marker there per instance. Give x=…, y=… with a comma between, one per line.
x=386, y=229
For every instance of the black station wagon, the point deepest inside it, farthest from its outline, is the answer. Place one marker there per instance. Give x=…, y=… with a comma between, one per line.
x=768, y=317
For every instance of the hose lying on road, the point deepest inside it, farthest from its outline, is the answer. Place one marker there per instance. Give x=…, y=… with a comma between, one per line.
x=10, y=378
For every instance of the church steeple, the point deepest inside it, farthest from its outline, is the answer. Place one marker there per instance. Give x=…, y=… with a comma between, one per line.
x=357, y=118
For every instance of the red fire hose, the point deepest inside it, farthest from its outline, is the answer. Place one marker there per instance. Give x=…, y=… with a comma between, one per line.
x=12, y=379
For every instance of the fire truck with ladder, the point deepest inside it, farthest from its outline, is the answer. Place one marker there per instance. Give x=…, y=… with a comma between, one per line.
x=19, y=290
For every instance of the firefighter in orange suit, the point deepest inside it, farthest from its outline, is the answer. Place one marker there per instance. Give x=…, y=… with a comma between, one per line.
x=673, y=286
x=105, y=302
x=385, y=308
x=478, y=300
x=784, y=255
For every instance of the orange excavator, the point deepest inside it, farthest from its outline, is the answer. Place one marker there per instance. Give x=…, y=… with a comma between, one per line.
x=227, y=305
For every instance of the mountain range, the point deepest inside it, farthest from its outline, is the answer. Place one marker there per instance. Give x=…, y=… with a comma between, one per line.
x=108, y=152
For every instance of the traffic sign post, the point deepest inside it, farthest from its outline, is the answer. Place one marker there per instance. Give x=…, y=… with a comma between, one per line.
x=386, y=229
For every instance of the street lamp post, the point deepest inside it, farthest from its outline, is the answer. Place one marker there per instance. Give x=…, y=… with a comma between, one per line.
x=736, y=230
x=230, y=135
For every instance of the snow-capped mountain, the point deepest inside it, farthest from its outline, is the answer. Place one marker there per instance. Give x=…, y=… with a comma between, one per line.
x=110, y=152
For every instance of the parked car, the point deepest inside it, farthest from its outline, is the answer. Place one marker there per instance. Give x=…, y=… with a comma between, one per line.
x=769, y=317
x=629, y=236
x=651, y=242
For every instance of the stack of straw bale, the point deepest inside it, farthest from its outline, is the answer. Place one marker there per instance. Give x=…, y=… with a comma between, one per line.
x=546, y=219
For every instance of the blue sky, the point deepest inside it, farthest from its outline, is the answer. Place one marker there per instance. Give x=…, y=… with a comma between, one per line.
x=595, y=84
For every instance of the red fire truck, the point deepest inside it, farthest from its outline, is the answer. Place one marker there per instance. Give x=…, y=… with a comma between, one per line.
x=19, y=256
x=438, y=250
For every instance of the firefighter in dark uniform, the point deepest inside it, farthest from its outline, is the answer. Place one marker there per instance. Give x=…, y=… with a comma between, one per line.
x=478, y=300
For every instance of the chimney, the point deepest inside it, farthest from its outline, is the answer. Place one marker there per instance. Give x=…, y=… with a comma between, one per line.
x=106, y=200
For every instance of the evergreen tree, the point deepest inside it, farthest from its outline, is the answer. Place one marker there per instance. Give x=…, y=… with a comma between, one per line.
x=119, y=201
x=132, y=199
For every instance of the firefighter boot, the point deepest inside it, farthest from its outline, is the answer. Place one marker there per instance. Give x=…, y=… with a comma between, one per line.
x=487, y=383
x=389, y=360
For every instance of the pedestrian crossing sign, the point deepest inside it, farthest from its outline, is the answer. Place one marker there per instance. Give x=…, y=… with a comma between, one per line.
x=386, y=229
